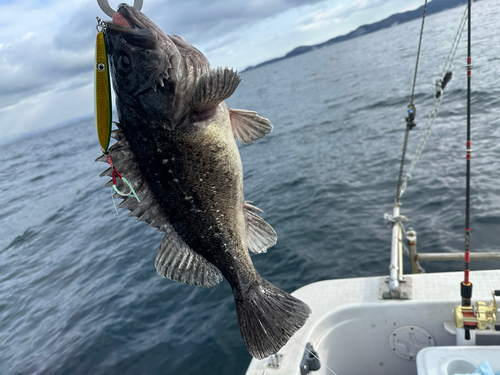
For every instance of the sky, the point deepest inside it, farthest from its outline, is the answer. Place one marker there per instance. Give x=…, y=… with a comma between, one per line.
x=47, y=46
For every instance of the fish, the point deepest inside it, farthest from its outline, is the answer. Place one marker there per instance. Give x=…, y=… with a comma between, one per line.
x=176, y=145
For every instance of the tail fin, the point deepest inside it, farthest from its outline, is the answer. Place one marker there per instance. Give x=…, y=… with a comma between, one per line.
x=268, y=317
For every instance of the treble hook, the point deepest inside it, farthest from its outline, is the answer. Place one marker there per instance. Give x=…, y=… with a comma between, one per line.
x=106, y=8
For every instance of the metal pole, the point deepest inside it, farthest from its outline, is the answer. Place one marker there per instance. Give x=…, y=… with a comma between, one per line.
x=400, y=253
x=394, y=288
x=427, y=257
x=411, y=236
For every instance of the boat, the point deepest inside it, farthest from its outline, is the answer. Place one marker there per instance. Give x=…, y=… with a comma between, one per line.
x=418, y=323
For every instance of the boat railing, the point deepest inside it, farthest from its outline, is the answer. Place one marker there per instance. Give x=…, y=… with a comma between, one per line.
x=396, y=286
x=416, y=257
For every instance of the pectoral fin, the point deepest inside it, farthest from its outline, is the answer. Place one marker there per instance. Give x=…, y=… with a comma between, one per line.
x=214, y=87
x=248, y=126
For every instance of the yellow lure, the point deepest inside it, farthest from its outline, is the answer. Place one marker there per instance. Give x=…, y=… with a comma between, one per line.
x=102, y=105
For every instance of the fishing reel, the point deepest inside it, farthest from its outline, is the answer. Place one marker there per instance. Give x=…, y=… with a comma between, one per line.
x=479, y=316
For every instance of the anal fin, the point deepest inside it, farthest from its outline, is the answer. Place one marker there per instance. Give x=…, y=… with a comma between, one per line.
x=176, y=261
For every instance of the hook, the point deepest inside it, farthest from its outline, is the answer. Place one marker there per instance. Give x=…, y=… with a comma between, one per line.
x=106, y=8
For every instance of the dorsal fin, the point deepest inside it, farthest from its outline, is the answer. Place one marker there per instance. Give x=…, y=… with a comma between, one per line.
x=248, y=126
x=214, y=87
x=260, y=235
x=175, y=260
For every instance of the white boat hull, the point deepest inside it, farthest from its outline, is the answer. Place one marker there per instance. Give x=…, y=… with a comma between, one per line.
x=354, y=331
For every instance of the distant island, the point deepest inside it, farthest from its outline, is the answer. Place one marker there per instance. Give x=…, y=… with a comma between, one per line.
x=434, y=6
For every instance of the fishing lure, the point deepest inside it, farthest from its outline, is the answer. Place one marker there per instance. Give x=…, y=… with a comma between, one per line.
x=102, y=104
x=103, y=107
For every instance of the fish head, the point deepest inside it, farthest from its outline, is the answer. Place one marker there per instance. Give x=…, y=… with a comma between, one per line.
x=153, y=73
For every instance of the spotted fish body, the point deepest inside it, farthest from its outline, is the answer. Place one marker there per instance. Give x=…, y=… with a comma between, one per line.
x=176, y=145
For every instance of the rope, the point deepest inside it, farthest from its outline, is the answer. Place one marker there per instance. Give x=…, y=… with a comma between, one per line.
x=418, y=53
x=405, y=143
x=113, y=200
x=409, y=120
x=453, y=49
x=431, y=117
x=421, y=144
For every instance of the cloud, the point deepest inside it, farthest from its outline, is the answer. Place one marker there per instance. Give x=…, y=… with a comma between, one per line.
x=78, y=32
x=47, y=46
x=45, y=69
x=54, y=45
x=335, y=14
x=31, y=61
x=49, y=107
x=200, y=21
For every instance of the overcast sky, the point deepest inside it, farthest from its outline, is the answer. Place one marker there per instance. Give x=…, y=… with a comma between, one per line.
x=47, y=46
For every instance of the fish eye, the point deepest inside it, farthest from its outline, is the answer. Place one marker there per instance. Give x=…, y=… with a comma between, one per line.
x=123, y=64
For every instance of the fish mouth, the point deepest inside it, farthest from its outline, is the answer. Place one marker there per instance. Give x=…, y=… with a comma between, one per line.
x=133, y=26
x=133, y=34
x=125, y=21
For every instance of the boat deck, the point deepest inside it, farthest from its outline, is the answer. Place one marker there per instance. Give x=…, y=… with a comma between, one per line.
x=356, y=332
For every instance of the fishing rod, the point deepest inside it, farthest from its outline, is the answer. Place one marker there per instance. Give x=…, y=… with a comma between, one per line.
x=466, y=285
x=467, y=316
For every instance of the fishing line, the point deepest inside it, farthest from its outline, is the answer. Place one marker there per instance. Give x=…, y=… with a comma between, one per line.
x=314, y=355
x=431, y=117
x=113, y=200
x=114, y=175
